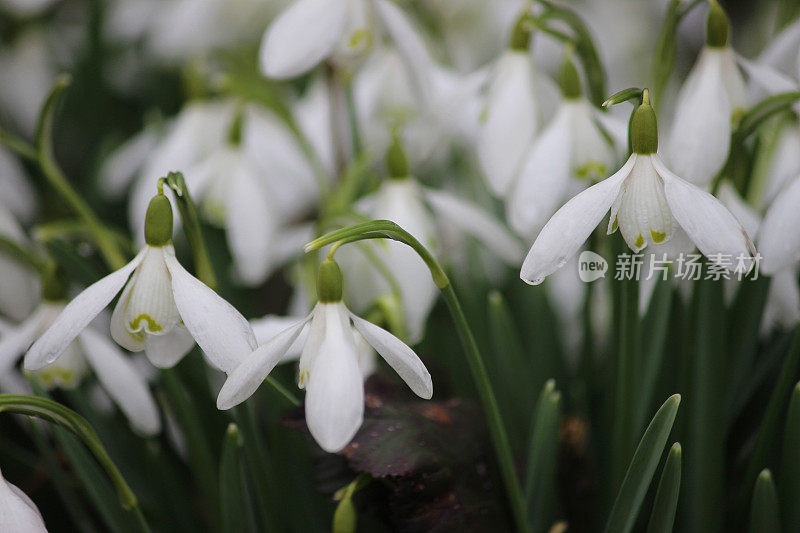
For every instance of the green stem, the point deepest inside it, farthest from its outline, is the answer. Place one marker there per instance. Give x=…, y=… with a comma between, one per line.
x=624, y=440
x=18, y=145
x=497, y=430
x=104, y=240
x=56, y=413
x=384, y=229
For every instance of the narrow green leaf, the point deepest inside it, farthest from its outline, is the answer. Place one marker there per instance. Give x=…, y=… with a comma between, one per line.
x=655, y=326
x=511, y=373
x=705, y=451
x=773, y=415
x=669, y=487
x=235, y=513
x=642, y=467
x=764, y=514
x=540, y=486
x=789, y=473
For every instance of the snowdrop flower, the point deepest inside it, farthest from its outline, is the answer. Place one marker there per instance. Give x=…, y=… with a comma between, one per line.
x=782, y=307
x=712, y=95
x=422, y=212
x=310, y=31
x=329, y=367
x=162, y=309
x=90, y=349
x=18, y=195
x=510, y=116
x=28, y=69
x=779, y=241
x=267, y=327
x=649, y=204
x=571, y=152
x=18, y=286
x=18, y=513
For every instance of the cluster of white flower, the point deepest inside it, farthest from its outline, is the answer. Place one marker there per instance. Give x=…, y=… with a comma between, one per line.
x=275, y=175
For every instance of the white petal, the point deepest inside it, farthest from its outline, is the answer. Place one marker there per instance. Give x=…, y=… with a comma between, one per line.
x=782, y=50
x=164, y=351
x=135, y=342
x=783, y=301
x=699, y=140
x=302, y=36
x=569, y=228
x=149, y=307
x=121, y=166
x=18, y=513
x=245, y=379
x=335, y=392
x=399, y=356
x=544, y=180
x=121, y=381
x=712, y=228
x=778, y=238
x=14, y=342
x=476, y=222
x=77, y=315
x=18, y=194
x=18, y=284
x=219, y=329
x=249, y=225
x=510, y=121
x=643, y=213
x=267, y=327
x=784, y=162
x=745, y=214
x=767, y=78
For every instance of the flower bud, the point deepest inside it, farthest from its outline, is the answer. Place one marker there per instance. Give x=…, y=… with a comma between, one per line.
x=521, y=34
x=396, y=161
x=644, y=128
x=717, y=26
x=158, y=221
x=329, y=282
x=569, y=80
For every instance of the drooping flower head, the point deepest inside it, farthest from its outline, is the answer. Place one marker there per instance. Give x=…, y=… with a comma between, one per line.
x=162, y=310
x=649, y=204
x=329, y=365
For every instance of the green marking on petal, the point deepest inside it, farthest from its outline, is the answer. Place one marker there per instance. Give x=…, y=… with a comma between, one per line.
x=639, y=241
x=614, y=225
x=360, y=37
x=658, y=236
x=593, y=170
x=152, y=325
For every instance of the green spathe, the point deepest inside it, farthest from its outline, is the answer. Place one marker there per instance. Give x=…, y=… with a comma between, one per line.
x=396, y=160
x=644, y=128
x=521, y=34
x=158, y=221
x=717, y=26
x=329, y=282
x=569, y=80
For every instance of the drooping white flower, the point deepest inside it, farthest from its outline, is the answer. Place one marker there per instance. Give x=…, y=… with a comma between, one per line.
x=423, y=213
x=89, y=350
x=19, y=288
x=778, y=238
x=510, y=117
x=329, y=365
x=649, y=204
x=162, y=309
x=712, y=94
x=571, y=153
x=18, y=195
x=28, y=68
x=18, y=513
x=310, y=31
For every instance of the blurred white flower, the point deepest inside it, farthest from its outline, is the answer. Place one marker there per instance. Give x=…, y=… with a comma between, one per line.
x=26, y=8
x=160, y=301
x=29, y=69
x=509, y=120
x=310, y=31
x=712, y=95
x=778, y=238
x=89, y=349
x=329, y=367
x=19, y=286
x=422, y=212
x=649, y=204
x=18, y=513
x=571, y=153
